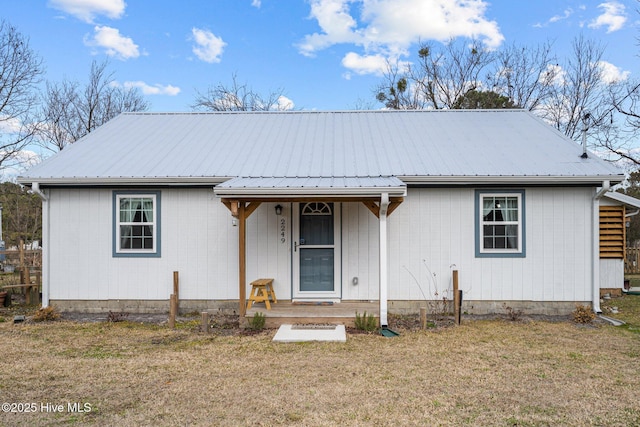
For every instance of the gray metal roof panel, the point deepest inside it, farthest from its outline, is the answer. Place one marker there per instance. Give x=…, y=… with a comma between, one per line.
x=421, y=144
x=623, y=198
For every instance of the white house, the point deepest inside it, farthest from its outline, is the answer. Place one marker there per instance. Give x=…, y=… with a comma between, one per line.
x=371, y=206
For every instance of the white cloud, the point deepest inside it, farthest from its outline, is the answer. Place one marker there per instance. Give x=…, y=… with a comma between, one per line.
x=567, y=13
x=390, y=26
x=613, y=17
x=87, y=10
x=284, y=104
x=113, y=42
x=554, y=75
x=256, y=3
x=156, y=89
x=611, y=73
x=18, y=163
x=385, y=29
x=367, y=64
x=9, y=125
x=208, y=47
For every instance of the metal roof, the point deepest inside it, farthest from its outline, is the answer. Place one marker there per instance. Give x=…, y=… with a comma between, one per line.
x=623, y=199
x=419, y=147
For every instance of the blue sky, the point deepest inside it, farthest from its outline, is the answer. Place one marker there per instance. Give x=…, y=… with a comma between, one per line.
x=324, y=54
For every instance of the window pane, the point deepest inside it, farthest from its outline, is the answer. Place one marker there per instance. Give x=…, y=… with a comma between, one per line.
x=136, y=223
x=317, y=228
x=316, y=269
x=500, y=236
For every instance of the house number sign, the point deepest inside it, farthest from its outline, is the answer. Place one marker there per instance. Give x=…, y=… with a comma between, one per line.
x=283, y=230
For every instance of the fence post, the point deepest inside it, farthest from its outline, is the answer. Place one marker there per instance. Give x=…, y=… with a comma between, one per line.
x=456, y=298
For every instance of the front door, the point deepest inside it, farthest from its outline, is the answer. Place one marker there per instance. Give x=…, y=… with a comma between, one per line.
x=316, y=250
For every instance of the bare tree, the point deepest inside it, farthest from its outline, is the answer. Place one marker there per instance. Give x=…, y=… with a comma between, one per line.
x=619, y=126
x=524, y=75
x=442, y=76
x=578, y=90
x=397, y=91
x=239, y=97
x=20, y=73
x=70, y=111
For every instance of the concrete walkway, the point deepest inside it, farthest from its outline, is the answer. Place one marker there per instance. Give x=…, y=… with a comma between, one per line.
x=303, y=333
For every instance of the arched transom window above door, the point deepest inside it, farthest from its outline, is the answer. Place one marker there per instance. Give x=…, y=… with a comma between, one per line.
x=316, y=208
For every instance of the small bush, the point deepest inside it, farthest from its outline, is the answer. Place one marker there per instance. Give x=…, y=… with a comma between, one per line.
x=257, y=321
x=366, y=322
x=46, y=314
x=117, y=316
x=513, y=314
x=583, y=314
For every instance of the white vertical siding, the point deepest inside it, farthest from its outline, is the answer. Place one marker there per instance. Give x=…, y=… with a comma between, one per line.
x=197, y=240
x=267, y=255
x=434, y=230
x=430, y=234
x=360, y=253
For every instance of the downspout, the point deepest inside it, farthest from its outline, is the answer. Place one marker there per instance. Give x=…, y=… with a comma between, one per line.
x=35, y=188
x=384, y=275
x=596, y=246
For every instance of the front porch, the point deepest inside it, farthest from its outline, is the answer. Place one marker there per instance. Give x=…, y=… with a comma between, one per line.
x=288, y=312
x=317, y=273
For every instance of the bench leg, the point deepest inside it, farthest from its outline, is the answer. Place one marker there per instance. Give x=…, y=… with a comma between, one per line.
x=272, y=293
x=265, y=295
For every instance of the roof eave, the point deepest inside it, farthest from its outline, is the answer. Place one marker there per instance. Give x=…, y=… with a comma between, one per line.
x=279, y=192
x=119, y=181
x=512, y=179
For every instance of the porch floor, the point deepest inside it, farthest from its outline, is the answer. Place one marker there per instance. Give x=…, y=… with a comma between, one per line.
x=287, y=312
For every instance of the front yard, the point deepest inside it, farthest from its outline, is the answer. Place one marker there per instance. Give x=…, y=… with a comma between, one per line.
x=485, y=372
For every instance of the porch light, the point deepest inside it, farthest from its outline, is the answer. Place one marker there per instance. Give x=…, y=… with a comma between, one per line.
x=278, y=210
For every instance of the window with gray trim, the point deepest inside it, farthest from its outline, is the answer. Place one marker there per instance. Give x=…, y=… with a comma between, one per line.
x=136, y=224
x=499, y=223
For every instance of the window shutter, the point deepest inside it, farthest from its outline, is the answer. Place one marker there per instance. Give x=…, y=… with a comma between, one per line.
x=612, y=232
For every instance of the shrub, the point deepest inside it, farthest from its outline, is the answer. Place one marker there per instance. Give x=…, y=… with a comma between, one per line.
x=117, y=316
x=583, y=314
x=512, y=314
x=257, y=321
x=366, y=322
x=46, y=314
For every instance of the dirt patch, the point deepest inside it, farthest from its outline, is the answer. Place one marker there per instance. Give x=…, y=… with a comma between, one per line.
x=228, y=323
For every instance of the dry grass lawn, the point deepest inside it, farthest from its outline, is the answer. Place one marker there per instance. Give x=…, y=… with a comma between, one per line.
x=497, y=373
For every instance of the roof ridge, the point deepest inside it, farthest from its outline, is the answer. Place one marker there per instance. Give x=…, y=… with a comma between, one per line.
x=310, y=112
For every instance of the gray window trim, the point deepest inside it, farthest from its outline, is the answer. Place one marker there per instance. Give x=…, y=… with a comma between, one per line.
x=157, y=224
x=523, y=238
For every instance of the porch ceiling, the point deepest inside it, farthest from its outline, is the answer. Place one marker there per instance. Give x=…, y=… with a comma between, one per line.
x=297, y=188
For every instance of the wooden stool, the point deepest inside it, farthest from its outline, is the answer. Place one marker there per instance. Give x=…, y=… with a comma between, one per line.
x=262, y=291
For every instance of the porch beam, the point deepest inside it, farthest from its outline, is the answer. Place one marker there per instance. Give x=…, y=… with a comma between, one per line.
x=250, y=208
x=394, y=203
x=371, y=205
x=227, y=203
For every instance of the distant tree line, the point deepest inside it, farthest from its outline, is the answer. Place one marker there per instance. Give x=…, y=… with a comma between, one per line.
x=21, y=215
